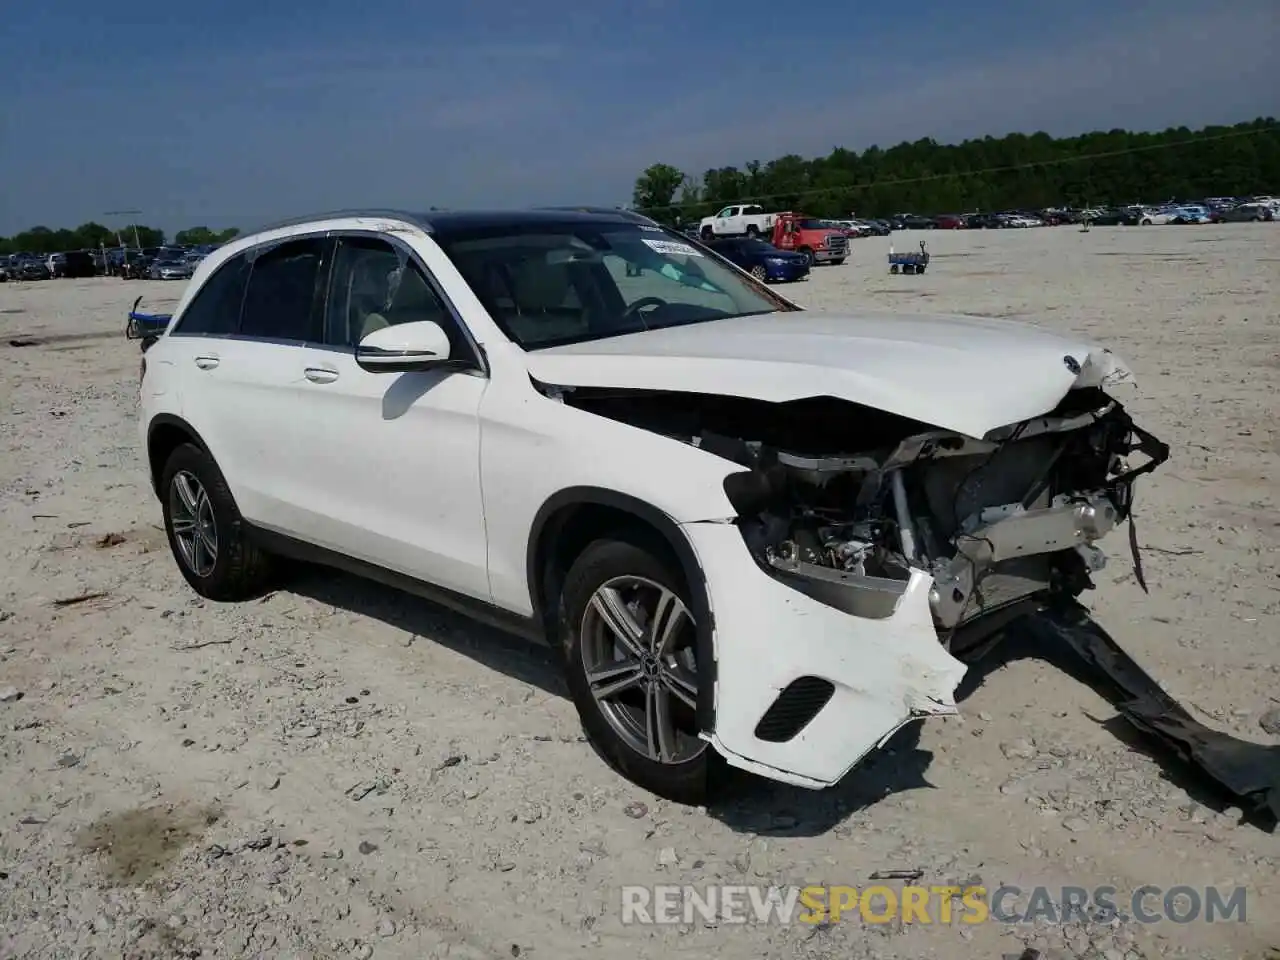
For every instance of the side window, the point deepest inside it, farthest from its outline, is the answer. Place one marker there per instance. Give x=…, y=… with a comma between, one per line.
x=215, y=309
x=374, y=285
x=280, y=301
x=726, y=212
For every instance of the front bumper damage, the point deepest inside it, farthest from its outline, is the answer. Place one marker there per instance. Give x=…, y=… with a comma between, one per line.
x=874, y=675
x=828, y=662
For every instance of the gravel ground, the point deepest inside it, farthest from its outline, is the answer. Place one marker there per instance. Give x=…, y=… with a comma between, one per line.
x=341, y=771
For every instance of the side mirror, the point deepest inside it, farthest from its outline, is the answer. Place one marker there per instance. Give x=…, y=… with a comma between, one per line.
x=404, y=348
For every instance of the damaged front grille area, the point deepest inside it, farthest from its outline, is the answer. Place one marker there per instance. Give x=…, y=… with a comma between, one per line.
x=992, y=521
x=843, y=502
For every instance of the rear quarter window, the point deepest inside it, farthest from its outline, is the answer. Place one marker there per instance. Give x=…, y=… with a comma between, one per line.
x=215, y=309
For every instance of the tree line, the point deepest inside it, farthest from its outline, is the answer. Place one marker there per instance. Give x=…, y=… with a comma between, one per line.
x=1018, y=171
x=91, y=236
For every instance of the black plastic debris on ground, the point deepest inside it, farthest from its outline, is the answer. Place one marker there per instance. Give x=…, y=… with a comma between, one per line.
x=1248, y=772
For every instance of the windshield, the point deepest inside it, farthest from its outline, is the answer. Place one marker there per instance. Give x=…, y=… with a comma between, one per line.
x=812, y=224
x=547, y=284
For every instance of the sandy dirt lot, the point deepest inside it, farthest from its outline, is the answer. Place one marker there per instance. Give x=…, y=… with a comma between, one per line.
x=338, y=770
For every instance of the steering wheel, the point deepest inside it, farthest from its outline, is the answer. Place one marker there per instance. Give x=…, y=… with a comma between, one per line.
x=641, y=304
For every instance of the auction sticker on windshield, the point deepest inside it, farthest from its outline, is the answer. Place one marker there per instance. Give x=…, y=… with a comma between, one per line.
x=671, y=248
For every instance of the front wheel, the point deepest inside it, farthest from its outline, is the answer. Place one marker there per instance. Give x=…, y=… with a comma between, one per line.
x=206, y=532
x=628, y=638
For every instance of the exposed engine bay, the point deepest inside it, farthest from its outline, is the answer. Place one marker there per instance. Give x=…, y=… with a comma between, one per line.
x=842, y=501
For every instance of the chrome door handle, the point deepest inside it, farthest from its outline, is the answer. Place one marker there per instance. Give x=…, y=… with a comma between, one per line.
x=207, y=362
x=320, y=374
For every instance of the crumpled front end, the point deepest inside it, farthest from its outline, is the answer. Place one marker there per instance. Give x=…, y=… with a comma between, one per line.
x=850, y=582
x=870, y=552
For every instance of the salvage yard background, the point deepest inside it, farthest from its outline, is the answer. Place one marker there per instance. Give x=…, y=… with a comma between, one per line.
x=339, y=770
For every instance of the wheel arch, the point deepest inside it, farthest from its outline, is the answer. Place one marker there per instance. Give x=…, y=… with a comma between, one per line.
x=166, y=433
x=571, y=518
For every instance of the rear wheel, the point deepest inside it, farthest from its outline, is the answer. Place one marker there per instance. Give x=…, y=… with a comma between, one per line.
x=206, y=532
x=628, y=638
x=753, y=230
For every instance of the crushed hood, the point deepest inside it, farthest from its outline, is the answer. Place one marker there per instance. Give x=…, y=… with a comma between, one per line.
x=970, y=375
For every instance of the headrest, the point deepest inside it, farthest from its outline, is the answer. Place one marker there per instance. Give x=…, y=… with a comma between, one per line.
x=540, y=285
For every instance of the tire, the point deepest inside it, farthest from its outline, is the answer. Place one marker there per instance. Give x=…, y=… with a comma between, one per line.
x=753, y=231
x=808, y=256
x=708, y=235
x=760, y=273
x=628, y=571
x=192, y=484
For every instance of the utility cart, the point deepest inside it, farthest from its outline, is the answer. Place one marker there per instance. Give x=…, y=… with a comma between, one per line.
x=146, y=327
x=908, y=262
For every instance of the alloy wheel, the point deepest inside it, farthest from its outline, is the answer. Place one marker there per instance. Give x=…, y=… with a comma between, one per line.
x=638, y=653
x=195, y=529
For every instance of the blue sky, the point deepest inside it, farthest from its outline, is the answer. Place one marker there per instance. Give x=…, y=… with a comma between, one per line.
x=234, y=113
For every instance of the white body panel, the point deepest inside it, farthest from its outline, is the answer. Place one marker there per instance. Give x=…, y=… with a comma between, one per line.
x=534, y=447
x=441, y=475
x=967, y=374
x=386, y=468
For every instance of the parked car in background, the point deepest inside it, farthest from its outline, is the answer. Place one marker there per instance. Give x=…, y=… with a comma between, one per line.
x=137, y=267
x=738, y=220
x=77, y=263
x=762, y=260
x=983, y=221
x=912, y=221
x=1104, y=217
x=1247, y=212
x=1153, y=216
x=951, y=221
x=32, y=269
x=1190, y=213
x=171, y=269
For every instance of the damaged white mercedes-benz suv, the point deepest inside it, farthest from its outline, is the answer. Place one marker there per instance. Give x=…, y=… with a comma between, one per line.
x=756, y=533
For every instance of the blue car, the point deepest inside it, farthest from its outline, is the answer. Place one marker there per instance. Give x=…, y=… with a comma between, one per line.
x=762, y=260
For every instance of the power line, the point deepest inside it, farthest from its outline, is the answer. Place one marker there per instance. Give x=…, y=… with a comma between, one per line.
x=959, y=174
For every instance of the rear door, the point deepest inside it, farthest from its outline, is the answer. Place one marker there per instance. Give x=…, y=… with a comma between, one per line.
x=248, y=387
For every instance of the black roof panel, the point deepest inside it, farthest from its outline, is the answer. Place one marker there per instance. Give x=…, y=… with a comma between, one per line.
x=448, y=221
x=464, y=220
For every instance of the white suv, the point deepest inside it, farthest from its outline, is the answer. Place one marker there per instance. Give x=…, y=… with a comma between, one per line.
x=756, y=532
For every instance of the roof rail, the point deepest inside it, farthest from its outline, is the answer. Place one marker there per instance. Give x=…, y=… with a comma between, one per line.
x=405, y=215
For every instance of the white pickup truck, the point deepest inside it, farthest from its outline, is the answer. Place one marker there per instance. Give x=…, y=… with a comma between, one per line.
x=735, y=221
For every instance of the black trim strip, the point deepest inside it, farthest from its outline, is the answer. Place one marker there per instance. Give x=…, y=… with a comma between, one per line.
x=378, y=353
x=528, y=628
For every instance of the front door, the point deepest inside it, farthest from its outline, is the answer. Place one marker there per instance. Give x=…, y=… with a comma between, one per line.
x=392, y=460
